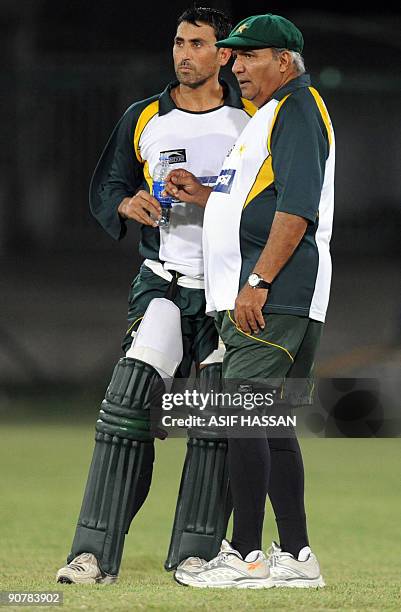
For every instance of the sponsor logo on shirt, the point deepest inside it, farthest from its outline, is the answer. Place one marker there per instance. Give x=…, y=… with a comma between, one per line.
x=225, y=180
x=176, y=156
x=210, y=181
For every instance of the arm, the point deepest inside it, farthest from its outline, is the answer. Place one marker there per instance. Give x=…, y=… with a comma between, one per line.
x=115, y=192
x=299, y=149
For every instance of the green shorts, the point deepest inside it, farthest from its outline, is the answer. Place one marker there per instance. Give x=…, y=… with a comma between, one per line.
x=199, y=335
x=284, y=350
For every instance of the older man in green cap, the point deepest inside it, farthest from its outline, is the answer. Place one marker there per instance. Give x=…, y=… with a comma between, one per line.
x=266, y=236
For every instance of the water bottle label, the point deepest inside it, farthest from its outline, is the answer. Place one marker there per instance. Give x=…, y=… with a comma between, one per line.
x=158, y=188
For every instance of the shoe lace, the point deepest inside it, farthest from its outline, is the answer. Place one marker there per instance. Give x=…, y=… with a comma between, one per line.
x=222, y=556
x=194, y=560
x=273, y=555
x=76, y=564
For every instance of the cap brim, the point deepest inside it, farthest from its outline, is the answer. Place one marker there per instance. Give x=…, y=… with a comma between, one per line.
x=239, y=42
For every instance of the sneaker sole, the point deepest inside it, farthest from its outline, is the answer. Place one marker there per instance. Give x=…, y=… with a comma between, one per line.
x=263, y=583
x=297, y=583
x=67, y=580
x=63, y=579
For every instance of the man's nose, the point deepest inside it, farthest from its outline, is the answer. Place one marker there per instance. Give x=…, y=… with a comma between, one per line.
x=237, y=66
x=185, y=52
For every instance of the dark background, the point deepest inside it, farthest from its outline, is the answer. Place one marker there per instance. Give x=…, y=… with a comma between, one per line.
x=69, y=70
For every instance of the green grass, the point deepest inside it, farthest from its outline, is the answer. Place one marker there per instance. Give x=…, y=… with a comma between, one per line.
x=353, y=501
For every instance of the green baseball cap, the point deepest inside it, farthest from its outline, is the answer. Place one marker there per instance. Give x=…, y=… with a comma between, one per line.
x=262, y=31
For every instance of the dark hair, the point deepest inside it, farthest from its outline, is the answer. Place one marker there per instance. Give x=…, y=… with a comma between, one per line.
x=218, y=20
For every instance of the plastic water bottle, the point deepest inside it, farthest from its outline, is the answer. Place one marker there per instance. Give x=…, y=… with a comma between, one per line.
x=159, y=182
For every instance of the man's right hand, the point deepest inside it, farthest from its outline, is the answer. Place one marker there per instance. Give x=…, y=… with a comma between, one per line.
x=142, y=207
x=185, y=186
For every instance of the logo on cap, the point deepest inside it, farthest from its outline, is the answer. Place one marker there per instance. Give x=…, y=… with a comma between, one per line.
x=242, y=27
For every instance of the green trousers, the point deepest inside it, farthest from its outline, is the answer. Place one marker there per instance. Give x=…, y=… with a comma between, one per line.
x=284, y=350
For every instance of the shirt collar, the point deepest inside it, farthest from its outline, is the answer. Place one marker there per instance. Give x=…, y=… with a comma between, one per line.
x=302, y=81
x=167, y=104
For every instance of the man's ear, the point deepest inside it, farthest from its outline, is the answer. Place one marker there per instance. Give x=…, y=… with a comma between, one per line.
x=224, y=56
x=285, y=60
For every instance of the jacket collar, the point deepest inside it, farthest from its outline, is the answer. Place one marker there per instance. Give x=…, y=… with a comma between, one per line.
x=231, y=97
x=302, y=81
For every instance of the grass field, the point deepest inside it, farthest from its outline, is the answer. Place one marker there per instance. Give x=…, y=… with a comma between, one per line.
x=354, y=509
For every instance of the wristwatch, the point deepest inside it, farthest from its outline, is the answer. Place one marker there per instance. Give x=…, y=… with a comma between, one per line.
x=257, y=282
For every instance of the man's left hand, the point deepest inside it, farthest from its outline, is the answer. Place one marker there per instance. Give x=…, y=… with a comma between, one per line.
x=248, y=309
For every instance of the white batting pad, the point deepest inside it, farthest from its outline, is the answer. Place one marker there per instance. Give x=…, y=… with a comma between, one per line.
x=158, y=340
x=217, y=355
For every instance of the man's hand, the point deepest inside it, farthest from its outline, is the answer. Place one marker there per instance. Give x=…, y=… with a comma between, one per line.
x=185, y=186
x=142, y=207
x=248, y=309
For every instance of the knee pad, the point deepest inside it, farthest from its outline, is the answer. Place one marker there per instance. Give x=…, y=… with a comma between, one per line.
x=121, y=469
x=216, y=356
x=133, y=397
x=158, y=340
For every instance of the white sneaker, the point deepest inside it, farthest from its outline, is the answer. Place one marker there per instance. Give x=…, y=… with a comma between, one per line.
x=84, y=569
x=229, y=570
x=286, y=571
x=192, y=564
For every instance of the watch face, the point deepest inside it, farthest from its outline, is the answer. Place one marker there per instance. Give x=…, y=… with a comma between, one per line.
x=253, y=279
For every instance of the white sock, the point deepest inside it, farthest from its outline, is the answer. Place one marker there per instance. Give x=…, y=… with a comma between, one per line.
x=252, y=556
x=304, y=553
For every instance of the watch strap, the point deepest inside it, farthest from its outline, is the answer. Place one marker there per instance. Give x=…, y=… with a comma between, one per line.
x=262, y=284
